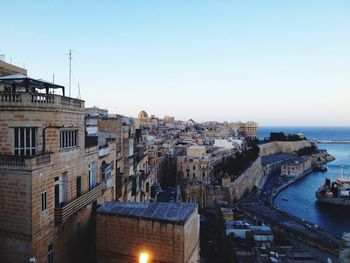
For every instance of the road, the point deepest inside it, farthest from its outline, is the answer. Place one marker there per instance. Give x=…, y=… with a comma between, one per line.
x=293, y=225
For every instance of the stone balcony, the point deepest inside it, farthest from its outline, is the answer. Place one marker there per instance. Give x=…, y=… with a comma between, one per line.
x=62, y=214
x=39, y=100
x=29, y=163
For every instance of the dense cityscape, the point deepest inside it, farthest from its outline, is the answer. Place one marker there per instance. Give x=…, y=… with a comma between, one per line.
x=78, y=184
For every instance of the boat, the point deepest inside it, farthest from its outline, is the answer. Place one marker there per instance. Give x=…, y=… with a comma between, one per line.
x=335, y=193
x=285, y=198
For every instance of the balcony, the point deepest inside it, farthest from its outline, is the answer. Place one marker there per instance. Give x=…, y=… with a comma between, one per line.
x=39, y=100
x=62, y=214
x=13, y=162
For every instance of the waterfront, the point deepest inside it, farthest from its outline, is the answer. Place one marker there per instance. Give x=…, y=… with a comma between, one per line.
x=299, y=198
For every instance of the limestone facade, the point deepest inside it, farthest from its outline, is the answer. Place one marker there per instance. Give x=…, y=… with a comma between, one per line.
x=50, y=181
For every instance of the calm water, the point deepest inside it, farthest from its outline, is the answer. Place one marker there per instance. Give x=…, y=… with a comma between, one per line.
x=301, y=195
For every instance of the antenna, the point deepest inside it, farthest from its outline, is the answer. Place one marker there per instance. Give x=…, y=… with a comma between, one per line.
x=79, y=96
x=70, y=70
x=53, y=78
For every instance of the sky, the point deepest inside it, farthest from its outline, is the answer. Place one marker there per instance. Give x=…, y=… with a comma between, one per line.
x=279, y=63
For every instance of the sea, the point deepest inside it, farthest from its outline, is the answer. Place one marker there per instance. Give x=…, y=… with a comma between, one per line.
x=299, y=198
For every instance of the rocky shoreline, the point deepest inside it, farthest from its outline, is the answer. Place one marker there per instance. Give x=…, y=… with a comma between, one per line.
x=322, y=157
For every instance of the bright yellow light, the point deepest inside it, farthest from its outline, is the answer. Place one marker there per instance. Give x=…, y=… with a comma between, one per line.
x=143, y=257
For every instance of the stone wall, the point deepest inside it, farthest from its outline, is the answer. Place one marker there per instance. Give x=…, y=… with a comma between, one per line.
x=251, y=177
x=282, y=147
x=121, y=239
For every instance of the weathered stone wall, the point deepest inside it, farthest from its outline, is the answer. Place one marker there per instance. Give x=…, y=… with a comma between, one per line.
x=247, y=180
x=282, y=147
x=15, y=216
x=121, y=239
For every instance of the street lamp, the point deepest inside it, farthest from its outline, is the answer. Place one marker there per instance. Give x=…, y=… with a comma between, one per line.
x=143, y=257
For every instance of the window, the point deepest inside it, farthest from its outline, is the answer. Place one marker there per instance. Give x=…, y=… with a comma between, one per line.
x=50, y=253
x=43, y=201
x=61, y=190
x=194, y=175
x=92, y=175
x=68, y=138
x=78, y=186
x=203, y=174
x=25, y=140
x=194, y=167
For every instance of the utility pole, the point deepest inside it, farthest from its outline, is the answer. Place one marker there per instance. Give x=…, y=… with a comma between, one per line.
x=70, y=70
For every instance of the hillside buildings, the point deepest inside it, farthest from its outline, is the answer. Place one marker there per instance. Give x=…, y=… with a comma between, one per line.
x=60, y=161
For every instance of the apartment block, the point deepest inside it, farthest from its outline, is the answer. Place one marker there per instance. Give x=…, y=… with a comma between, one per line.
x=50, y=179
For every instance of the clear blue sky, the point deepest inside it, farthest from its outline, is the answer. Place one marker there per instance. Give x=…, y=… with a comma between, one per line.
x=275, y=62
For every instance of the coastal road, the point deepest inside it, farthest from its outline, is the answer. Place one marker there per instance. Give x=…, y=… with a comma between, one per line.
x=291, y=224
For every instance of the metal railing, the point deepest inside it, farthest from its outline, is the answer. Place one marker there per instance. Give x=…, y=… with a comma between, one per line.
x=62, y=214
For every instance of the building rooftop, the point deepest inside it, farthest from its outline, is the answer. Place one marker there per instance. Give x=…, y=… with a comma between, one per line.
x=29, y=83
x=164, y=212
x=278, y=157
x=296, y=161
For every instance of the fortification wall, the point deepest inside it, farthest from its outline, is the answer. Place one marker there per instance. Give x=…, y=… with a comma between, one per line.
x=282, y=147
x=251, y=177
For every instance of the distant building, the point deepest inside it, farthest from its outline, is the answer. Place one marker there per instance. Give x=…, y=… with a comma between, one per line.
x=248, y=129
x=296, y=166
x=228, y=143
x=143, y=117
x=272, y=163
x=195, y=164
x=167, y=232
x=7, y=69
x=194, y=171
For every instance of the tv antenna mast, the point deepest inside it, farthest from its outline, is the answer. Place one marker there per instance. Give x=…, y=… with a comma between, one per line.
x=79, y=95
x=70, y=70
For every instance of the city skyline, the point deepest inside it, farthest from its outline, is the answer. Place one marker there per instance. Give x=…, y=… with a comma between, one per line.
x=275, y=63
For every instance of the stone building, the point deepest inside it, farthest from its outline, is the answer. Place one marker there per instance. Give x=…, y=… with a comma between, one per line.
x=296, y=166
x=167, y=232
x=7, y=69
x=50, y=178
x=194, y=171
x=143, y=117
x=248, y=129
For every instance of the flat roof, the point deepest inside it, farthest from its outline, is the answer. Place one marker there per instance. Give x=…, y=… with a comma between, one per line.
x=296, y=161
x=164, y=212
x=277, y=157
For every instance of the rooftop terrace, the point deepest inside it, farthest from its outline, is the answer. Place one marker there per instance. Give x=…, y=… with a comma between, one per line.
x=22, y=91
